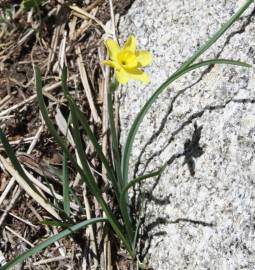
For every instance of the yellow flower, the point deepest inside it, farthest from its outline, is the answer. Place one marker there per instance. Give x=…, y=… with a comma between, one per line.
x=126, y=61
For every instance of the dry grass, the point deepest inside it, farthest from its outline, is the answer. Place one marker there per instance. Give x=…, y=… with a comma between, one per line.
x=70, y=33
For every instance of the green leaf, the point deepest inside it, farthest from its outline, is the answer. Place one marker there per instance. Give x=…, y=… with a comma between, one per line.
x=90, y=181
x=140, y=215
x=66, y=190
x=56, y=223
x=29, y=4
x=134, y=128
x=115, y=143
x=50, y=241
x=124, y=207
x=217, y=35
x=123, y=202
x=135, y=181
x=82, y=119
x=86, y=176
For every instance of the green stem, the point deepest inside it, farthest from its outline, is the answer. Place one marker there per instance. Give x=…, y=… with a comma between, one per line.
x=124, y=208
x=124, y=193
x=115, y=144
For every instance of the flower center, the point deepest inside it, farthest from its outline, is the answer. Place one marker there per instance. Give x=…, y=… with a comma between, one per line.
x=127, y=59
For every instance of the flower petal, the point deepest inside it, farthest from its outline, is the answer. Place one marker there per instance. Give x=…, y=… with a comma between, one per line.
x=130, y=44
x=144, y=58
x=111, y=64
x=113, y=48
x=121, y=76
x=138, y=75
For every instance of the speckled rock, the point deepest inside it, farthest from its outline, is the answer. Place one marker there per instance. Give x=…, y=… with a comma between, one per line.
x=201, y=213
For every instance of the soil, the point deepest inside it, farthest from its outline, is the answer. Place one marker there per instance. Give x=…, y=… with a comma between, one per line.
x=18, y=52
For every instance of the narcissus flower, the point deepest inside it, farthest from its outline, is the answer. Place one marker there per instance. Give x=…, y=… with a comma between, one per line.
x=126, y=61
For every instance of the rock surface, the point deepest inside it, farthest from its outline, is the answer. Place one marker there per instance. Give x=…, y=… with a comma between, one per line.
x=201, y=212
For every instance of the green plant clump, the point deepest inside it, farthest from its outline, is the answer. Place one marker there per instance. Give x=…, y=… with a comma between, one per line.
x=123, y=225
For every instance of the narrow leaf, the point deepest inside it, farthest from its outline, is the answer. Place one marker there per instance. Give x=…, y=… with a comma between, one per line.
x=50, y=241
x=66, y=186
x=82, y=119
x=185, y=65
x=90, y=181
x=217, y=35
x=134, y=128
x=124, y=207
x=56, y=223
x=86, y=178
x=115, y=144
x=135, y=181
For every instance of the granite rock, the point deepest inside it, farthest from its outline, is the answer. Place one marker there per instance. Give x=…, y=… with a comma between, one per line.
x=200, y=214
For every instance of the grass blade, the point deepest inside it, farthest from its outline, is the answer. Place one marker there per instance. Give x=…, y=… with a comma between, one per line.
x=115, y=144
x=87, y=128
x=123, y=203
x=93, y=139
x=56, y=223
x=50, y=241
x=86, y=178
x=134, y=182
x=76, y=118
x=140, y=215
x=43, y=110
x=217, y=35
x=134, y=128
x=117, y=162
x=222, y=61
x=66, y=186
x=66, y=189
x=184, y=66
x=92, y=184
